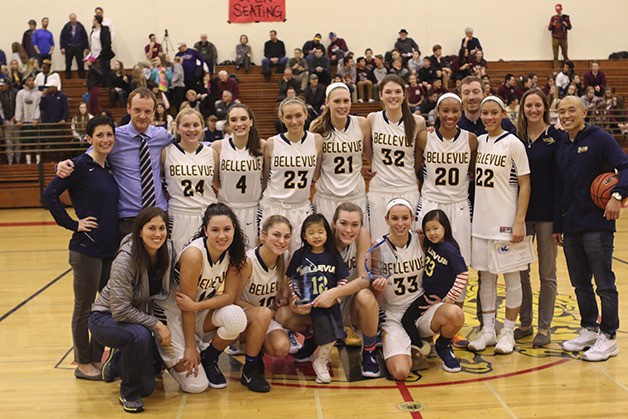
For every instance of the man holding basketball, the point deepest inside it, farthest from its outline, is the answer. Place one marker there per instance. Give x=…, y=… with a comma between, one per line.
x=586, y=231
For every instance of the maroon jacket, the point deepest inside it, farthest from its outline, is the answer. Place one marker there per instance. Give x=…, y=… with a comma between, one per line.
x=559, y=25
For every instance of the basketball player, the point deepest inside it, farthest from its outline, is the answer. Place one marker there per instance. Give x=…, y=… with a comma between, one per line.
x=392, y=152
x=189, y=170
x=291, y=162
x=343, y=142
x=586, y=231
x=502, y=180
x=240, y=169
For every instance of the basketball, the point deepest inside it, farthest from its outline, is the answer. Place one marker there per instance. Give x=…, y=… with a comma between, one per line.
x=601, y=188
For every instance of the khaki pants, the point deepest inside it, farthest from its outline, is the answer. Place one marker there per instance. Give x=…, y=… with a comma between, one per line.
x=563, y=47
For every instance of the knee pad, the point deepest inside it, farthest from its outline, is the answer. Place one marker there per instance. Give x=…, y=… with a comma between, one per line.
x=514, y=294
x=488, y=290
x=231, y=321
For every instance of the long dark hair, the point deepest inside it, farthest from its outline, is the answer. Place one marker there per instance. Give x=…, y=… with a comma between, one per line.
x=330, y=245
x=441, y=217
x=408, y=118
x=522, y=121
x=322, y=125
x=139, y=255
x=237, y=250
x=253, y=144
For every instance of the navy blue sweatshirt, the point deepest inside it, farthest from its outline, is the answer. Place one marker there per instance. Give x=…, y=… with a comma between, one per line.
x=93, y=192
x=542, y=158
x=578, y=163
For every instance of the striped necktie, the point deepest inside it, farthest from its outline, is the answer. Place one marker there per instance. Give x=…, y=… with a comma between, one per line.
x=146, y=175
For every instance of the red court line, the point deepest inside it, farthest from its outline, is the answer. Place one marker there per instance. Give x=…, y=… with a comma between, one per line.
x=407, y=397
x=29, y=224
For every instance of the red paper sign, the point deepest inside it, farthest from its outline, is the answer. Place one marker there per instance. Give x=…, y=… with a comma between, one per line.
x=247, y=11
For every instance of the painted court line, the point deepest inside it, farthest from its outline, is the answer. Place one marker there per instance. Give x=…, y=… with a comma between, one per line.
x=29, y=224
x=500, y=400
x=317, y=403
x=610, y=377
x=23, y=303
x=184, y=399
x=407, y=397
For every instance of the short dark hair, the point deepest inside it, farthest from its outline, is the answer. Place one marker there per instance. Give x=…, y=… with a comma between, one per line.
x=98, y=19
x=98, y=121
x=151, y=35
x=508, y=76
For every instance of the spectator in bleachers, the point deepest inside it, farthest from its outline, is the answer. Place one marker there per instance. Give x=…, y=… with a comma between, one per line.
x=595, y=78
x=428, y=107
x=79, y=123
x=298, y=65
x=486, y=79
x=405, y=45
x=27, y=38
x=563, y=79
x=320, y=65
x=224, y=82
x=208, y=51
x=594, y=104
x=43, y=42
x=45, y=75
x=211, y=132
x=534, y=80
x=380, y=71
x=73, y=43
x=439, y=87
x=487, y=90
x=93, y=83
x=337, y=48
x=348, y=73
x=27, y=116
x=579, y=87
x=14, y=75
x=243, y=54
x=33, y=68
x=478, y=63
x=462, y=67
x=286, y=82
x=119, y=83
x=7, y=105
x=512, y=107
x=439, y=64
x=153, y=48
x=398, y=68
x=18, y=54
x=572, y=90
x=553, y=100
x=310, y=46
x=415, y=63
x=427, y=74
x=161, y=72
x=137, y=77
x=469, y=43
x=559, y=25
x=364, y=85
x=508, y=87
x=206, y=97
x=192, y=62
x=223, y=105
x=177, y=83
x=191, y=101
x=159, y=95
x=162, y=118
x=54, y=109
x=314, y=98
x=274, y=55
x=100, y=47
x=369, y=58
x=523, y=86
x=415, y=92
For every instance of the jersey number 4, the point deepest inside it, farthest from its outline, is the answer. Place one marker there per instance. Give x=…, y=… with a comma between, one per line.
x=188, y=190
x=292, y=182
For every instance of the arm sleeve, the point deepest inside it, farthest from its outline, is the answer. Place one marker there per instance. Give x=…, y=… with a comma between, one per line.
x=50, y=197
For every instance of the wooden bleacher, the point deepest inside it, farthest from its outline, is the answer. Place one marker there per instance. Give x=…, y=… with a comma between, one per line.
x=20, y=185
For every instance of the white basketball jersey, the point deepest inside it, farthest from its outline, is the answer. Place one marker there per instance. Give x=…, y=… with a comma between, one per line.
x=393, y=156
x=189, y=178
x=499, y=162
x=446, y=168
x=341, y=164
x=350, y=256
x=262, y=286
x=240, y=175
x=291, y=169
x=405, y=267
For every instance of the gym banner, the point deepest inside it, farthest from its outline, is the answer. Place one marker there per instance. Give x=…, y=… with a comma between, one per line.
x=248, y=11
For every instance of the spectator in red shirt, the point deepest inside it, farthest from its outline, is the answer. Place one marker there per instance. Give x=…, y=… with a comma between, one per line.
x=559, y=25
x=596, y=79
x=337, y=48
x=153, y=48
x=508, y=88
x=225, y=82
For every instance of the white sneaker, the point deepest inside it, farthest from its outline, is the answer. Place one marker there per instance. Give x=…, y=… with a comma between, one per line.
x=506, y=342
x=295, y=345
x=586, y=338
x=603, y=349
x=234, y=349
x=320, y=364
x=482, y=340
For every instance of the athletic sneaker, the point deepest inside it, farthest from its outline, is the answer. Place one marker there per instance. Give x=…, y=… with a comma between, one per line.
x=450, y=362
x=482, y=340
x=370, y=366
x=586, y=338
x=214, y=375
x=295, y=345
x=520, y=333
x=305, y=353
x=603, y=349
x=107, y=372
x=132, y=406
x=352, y=338
x=254, y=380
x=320, y=364
x=506, y=342
x=234, y=350
x=460, y=341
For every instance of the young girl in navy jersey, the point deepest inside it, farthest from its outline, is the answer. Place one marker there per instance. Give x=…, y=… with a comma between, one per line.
x=445, y=277
x=319, y=259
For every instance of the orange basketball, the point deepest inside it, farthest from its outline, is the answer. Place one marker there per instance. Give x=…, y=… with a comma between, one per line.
x=601, y=188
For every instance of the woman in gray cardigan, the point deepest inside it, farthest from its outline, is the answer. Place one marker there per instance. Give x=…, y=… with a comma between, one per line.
x=123, y=317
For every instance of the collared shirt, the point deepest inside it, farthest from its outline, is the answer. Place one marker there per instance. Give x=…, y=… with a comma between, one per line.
x=478, y=128
x=125, y=162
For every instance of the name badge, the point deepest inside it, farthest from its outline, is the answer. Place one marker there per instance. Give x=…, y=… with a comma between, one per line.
x=583, y=149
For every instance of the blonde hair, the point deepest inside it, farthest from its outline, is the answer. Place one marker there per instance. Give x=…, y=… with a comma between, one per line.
x=181, y=114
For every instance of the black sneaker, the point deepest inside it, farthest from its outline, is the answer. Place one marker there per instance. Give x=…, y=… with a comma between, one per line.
x=107, y=372
x=450, y=362
x=370, y=367
x=214, y=375
x=254, y=380
x=132, y=406
x=305, y=353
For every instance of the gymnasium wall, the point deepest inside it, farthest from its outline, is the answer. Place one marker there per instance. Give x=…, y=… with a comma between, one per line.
x=508, y=30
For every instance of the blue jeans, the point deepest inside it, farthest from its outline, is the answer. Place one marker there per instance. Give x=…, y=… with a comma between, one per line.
x=589, y=255
x=281, y=64
x=135, y=360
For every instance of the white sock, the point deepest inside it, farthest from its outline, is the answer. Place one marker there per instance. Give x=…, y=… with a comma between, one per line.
x=324, y=352
x=509, y=324
x=488, y=320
